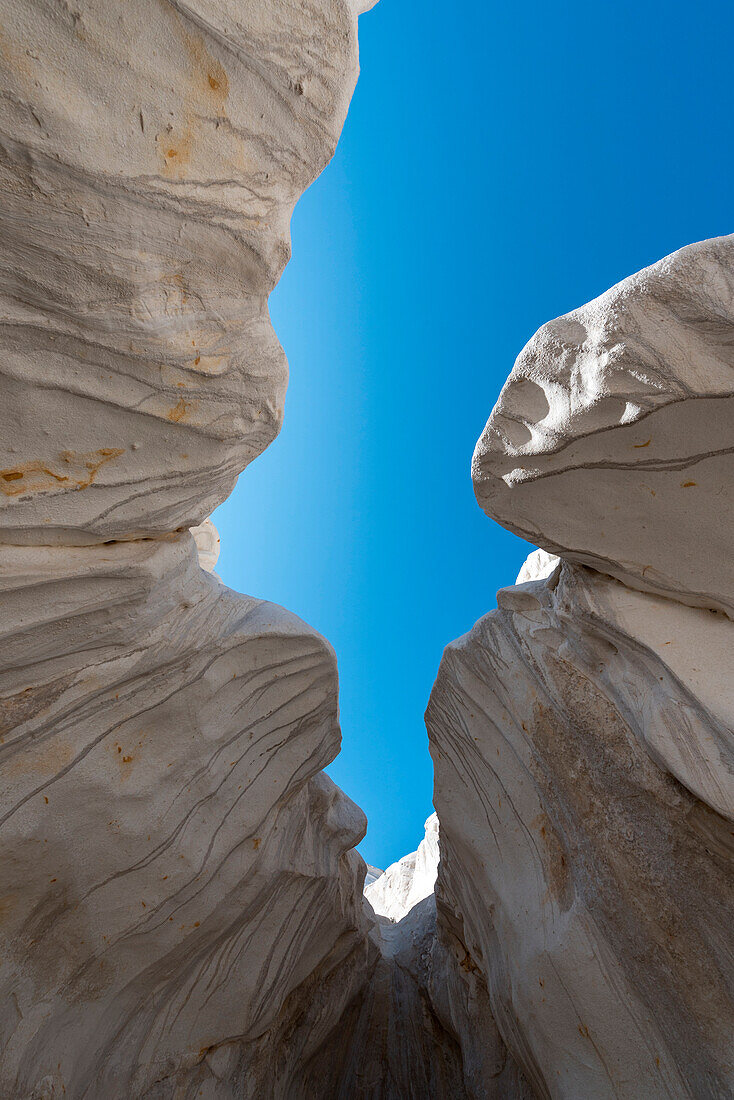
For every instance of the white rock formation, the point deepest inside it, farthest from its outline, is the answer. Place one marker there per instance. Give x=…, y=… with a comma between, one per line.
x=537, y=566
x=181, y=911
x=408, y=881
x=594, y=890
x=152, y=155
x=582, y=734
x=611, y=441
x=181, y=908
x=373, y=873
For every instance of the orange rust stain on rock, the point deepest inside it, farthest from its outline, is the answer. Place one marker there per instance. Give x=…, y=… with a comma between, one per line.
x=174, y=148
x=687, y=484
x=179, y=410
x=72, y=470
x=637, y=446
x=256, y=843
x=204, y=90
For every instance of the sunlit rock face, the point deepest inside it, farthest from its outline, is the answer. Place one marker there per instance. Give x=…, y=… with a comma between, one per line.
x=181, y=909
x=208, y=544
x=582, y=733
x=611, y=442
x=152, y=153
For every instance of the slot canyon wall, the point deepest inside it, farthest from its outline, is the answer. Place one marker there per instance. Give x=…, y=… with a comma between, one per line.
x=582, y=733
x=178, y=883
x=181, y=905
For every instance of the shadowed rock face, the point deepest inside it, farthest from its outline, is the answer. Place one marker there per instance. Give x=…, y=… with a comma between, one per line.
x=611, y=442
x=177, y=863
x=151, y=153
x=595, y=890
x=419, y=1025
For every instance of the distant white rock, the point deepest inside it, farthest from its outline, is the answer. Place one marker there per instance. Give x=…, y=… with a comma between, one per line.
x=537, y=566
x=408, y=881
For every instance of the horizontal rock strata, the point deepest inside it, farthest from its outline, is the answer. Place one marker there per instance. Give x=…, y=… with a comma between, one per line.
x=181, y=907
x=150, y=157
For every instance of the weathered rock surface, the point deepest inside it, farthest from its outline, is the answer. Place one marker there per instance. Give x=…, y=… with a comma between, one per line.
x=176, y=865
x=409, y=880
x=181, y=910
x=594, y=890
x=537, y=566
x=583, y=733
x=612, y=444
x=208, y=544
x=150, y=157
x=411, y=1032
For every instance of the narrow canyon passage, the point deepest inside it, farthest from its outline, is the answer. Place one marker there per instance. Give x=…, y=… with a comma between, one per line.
x=182, y=907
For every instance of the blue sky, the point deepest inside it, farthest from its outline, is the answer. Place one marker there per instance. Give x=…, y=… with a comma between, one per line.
x=500, y=165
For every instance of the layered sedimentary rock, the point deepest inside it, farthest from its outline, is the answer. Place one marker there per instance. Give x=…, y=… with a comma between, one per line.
x=594, y=889
x=176, y=864
x=611, y=442
x=180, y=909
x=150, y=157
x=582, y=733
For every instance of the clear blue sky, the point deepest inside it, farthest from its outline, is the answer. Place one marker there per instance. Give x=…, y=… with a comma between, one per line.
x=500, y=165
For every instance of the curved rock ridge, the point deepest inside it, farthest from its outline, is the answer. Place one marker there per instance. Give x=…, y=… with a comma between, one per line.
x=594, y=890
x=409, y=880
x=176, y=864
x=612, y=442
x=150, y=157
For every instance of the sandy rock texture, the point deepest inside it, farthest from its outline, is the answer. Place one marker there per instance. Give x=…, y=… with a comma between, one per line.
x=593, y=887
x=611, y=442
x=582, y=733
x=151, y=153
